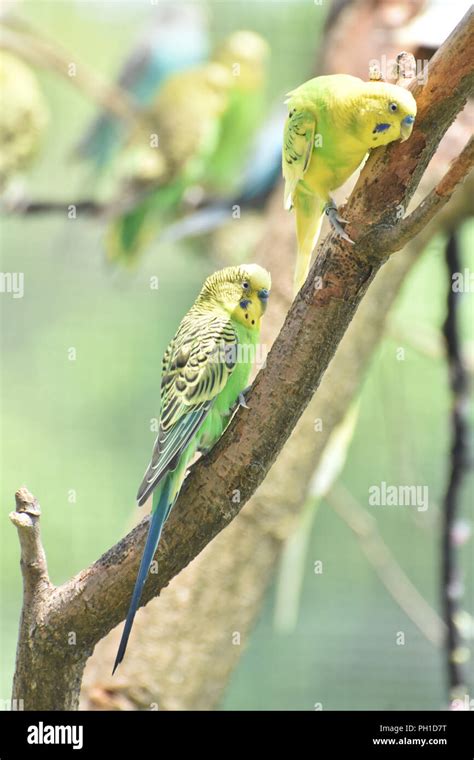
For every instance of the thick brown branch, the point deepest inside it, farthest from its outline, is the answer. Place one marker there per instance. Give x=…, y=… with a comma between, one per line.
x=97, y=598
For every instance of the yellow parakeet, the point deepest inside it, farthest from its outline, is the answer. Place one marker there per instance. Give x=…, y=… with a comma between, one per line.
x=23, y=116
x=333, y=122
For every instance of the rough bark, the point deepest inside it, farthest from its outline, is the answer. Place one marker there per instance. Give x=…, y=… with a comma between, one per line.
x=96, y=599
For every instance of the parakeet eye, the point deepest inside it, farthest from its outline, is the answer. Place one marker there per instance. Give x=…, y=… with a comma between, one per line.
x=245, y=285
x=393, y=107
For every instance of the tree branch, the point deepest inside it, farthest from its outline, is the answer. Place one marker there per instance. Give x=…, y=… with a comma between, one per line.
x=451, y=585
x=387, y=568
x=36, y=588
x=33, y=559
x=96, y=599
x=396, y=237
x=181, y=653
x=109, y=209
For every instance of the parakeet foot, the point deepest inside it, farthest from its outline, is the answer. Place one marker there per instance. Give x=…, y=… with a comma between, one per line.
x=336, y=221
x=241, y=400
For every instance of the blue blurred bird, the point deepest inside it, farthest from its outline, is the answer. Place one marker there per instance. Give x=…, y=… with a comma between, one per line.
x=176, y=40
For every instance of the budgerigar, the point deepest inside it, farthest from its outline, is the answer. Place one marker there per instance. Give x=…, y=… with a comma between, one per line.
x=246, y=55
x=203, y=120
x=23, y=118
x=168, y=153
x=333, y=122
x=205, y=371
x=175, y=40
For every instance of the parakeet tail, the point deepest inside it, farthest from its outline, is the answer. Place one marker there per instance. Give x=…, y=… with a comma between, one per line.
x=308, y=210
x=160, y=513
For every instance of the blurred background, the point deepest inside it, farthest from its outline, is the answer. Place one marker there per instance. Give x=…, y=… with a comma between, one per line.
x=81, y=357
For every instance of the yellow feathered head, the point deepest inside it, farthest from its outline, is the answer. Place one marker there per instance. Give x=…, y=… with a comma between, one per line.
x=388, y=111
x=242, y=291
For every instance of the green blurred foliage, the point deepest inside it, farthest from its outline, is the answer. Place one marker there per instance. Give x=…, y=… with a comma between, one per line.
x=81, y=426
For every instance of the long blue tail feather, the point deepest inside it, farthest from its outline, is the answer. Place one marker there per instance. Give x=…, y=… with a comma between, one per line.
x=158, y=518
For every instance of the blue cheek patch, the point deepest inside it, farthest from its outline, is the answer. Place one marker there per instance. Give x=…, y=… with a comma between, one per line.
x=244, y=303
x=380, y=127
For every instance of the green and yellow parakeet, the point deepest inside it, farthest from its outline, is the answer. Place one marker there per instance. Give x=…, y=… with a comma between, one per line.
x=245, y=54
x=205, y=370
x=333, y=122
x=196, y=132
x=169, y=152
x=23, y=116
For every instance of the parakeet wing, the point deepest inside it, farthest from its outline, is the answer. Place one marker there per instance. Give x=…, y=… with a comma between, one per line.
x=196, y=367
x=298, y=143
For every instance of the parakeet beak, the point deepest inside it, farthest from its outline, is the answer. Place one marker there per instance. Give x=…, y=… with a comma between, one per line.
x=263, y=295
x=406, y=127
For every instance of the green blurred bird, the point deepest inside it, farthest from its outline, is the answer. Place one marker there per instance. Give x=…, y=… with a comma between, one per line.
x=24, y=116
x=245, y=54
x=333, y=122
x=205, y=371
x=194, y=134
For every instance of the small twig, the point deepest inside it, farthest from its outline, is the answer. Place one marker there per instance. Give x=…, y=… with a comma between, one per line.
x=451, y=586
x=33, y=559
x=394, y=238
x=395, y=580
x=98, y=209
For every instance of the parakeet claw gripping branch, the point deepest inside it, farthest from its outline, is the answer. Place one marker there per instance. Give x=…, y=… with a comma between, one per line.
x=333, y=122
x=205, y=371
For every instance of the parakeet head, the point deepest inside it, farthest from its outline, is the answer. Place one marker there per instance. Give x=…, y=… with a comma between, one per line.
x=242, y=291
x=245, y=54
x=388, y=111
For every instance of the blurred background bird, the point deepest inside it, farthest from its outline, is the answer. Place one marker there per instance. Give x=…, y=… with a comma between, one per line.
x=204, y=375
x=164, y=155
x=246, y=55
x=166, y=160
x=177, y=39
x=23, y=119
x=261, y=172
x=333, y=122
